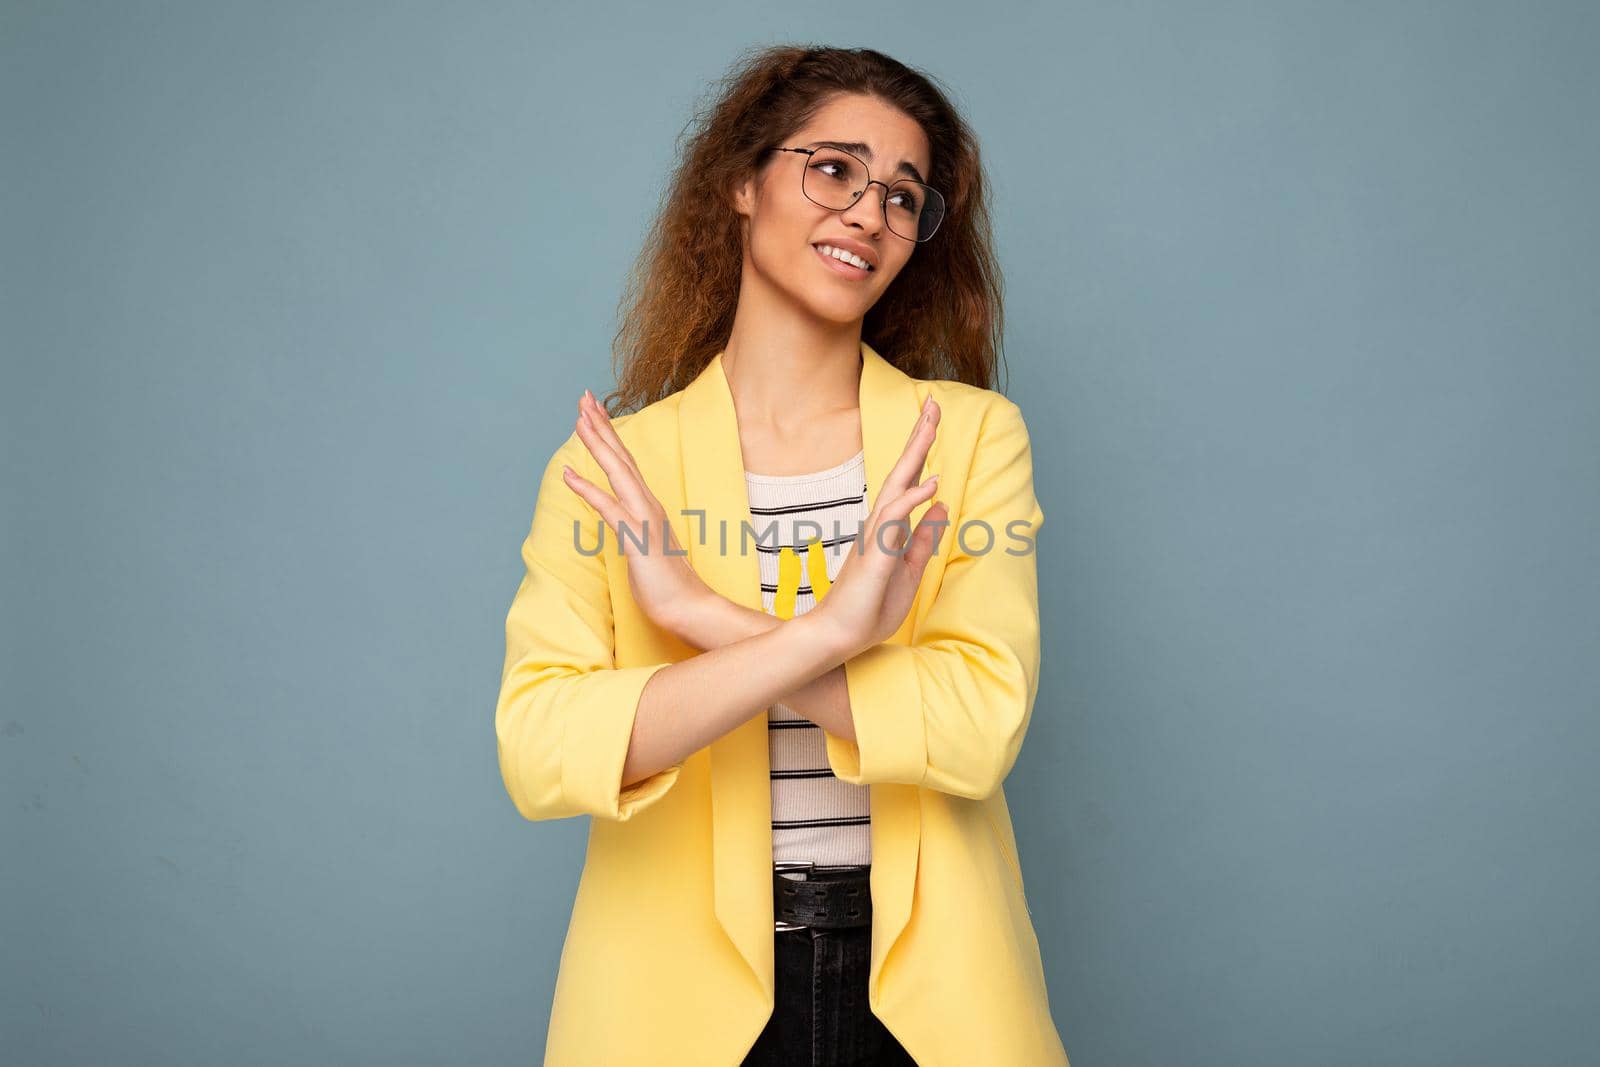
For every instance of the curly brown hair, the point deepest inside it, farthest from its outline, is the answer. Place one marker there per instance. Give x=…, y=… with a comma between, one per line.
x=940, y=318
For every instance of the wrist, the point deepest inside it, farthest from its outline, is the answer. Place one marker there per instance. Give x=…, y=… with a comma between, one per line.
x=825, y=635
x=689, y=618
x=710, y=620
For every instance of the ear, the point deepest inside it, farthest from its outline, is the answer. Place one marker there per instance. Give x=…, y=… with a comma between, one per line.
x=744, y=195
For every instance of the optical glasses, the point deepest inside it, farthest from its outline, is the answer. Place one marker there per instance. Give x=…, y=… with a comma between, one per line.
x=835, y=179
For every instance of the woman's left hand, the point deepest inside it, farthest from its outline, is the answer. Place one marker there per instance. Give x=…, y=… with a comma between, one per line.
x=875, y=588
x=664, y=586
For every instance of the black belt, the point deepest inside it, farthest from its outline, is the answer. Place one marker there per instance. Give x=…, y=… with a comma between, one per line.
x=828, y=898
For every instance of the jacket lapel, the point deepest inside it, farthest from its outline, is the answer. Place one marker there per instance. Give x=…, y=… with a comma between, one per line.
x=741, y=798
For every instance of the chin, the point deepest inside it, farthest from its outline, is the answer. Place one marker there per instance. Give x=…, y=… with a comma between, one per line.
x=832, y=303
x=840, y=313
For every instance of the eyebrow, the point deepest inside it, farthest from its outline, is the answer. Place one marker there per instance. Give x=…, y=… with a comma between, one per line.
x=864, y=150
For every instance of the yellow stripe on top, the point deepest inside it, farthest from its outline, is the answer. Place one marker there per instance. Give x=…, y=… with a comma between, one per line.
x=817, y=567
x=788, y=583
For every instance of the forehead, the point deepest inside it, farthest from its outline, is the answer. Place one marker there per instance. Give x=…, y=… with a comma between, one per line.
x=889, y=134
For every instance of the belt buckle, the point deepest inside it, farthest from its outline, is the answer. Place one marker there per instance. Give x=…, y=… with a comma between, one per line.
x=792, y=865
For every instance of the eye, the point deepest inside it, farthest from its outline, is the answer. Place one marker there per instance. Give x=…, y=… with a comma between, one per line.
x=835, y=165
x=906, y=199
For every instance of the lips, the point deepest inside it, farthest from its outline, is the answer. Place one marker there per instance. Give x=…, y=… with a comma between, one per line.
x=848, y=270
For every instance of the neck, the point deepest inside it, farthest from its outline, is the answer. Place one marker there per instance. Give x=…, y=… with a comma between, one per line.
x=785, y=369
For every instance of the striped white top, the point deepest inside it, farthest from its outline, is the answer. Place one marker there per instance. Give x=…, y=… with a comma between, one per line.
x=815, y=816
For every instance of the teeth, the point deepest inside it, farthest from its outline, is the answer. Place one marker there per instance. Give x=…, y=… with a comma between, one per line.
x=843, y=256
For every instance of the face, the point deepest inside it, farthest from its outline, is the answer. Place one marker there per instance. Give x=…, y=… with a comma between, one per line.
x=783, y=227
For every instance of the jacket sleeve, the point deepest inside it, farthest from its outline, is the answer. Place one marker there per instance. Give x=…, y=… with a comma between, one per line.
x=565, y=713
x=949, y=710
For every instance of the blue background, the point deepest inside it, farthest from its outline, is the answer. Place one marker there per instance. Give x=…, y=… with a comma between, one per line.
x=299, y=298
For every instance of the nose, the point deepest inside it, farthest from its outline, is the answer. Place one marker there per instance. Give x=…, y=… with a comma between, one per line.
x=868, y=208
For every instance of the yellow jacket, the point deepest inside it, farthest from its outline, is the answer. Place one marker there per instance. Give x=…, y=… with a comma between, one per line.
x=668, y=957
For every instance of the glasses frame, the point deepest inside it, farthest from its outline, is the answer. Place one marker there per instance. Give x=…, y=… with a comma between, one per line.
x=883, y=202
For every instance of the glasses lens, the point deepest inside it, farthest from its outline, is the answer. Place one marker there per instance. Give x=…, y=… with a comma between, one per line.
x=834, y=179
x=837, y=179
x=914, y=210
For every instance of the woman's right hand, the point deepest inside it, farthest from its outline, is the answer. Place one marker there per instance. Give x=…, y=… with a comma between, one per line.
x=877, y=584
x=664, y=585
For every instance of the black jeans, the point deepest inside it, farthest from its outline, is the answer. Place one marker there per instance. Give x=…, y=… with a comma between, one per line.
x=821, y=1018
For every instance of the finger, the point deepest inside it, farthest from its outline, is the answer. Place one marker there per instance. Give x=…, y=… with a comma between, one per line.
x=635, y=513
x=601, y=421
x=616, y=516
x=915, y=454
x=598, y=498
x=898, y=511
x=625, y=483
x=632, y=490
x=926, y=537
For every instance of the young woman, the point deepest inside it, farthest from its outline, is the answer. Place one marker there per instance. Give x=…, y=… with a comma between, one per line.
x=784, y=680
